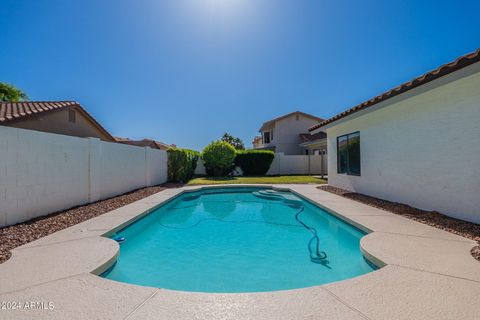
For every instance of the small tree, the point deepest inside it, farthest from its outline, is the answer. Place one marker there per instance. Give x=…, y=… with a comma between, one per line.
x=9, y=93
x=181, y=164
x=218, y=157
x=237, y=143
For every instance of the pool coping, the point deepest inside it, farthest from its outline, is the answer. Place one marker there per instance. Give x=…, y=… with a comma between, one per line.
x=408, y=252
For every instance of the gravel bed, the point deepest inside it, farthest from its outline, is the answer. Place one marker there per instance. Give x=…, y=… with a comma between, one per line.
x=432, y=218
x=22, y=233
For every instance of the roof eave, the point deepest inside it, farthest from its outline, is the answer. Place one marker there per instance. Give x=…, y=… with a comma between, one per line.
x=439, y=73
x=313, y=142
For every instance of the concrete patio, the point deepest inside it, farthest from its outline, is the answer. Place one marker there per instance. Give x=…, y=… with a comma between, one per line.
x=427, y=273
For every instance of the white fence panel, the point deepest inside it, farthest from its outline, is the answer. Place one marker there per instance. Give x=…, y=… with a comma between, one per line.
x=41, y=173
x=318, y=164
x=298, y=164
x=200, y=169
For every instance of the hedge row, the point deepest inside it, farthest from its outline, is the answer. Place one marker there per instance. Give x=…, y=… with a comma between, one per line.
x=254, y=162
x=181, y=164
x=220, y=158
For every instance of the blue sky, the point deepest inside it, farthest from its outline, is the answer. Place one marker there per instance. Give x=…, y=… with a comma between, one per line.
x=186, y=71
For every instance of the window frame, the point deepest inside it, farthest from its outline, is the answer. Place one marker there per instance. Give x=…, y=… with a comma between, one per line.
x=265, y=134
x=348, y=170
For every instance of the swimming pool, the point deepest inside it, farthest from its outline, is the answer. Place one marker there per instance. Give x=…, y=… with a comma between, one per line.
x=238, y=240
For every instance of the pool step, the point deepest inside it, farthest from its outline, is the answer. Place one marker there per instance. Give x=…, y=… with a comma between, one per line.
x=266, y=196
x=278, y=195
x=270, y=193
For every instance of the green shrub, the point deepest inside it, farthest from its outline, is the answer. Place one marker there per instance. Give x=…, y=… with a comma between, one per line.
x=254, y=162
x=181, y=164
x=218, y=158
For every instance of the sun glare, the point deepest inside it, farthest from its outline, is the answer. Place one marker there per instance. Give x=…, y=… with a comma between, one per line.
x=224, y=7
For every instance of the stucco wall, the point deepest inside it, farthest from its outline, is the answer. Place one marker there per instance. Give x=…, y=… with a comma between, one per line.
x=286, y=134
x=41, y=173
x=423, y=151
x=56, y=121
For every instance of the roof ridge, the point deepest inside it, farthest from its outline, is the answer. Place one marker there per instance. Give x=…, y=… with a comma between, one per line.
x=42, y=101
x=288, y=115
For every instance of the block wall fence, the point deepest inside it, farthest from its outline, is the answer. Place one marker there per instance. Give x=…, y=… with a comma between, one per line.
x=42, y=173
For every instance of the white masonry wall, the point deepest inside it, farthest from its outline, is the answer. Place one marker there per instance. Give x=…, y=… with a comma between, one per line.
x=298, y=164
x=423, y=151
x=41, y=173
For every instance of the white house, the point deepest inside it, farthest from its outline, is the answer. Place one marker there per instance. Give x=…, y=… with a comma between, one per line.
x=286, y=134
x=417, y=144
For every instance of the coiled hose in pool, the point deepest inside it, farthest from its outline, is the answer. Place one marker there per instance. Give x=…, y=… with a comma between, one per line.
x=316, y=256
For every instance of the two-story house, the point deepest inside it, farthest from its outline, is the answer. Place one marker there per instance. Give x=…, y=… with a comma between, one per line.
x=288, y=134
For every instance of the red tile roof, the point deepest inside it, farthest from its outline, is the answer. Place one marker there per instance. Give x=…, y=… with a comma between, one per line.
x=307, y=137
x=145, y=143
x=441, y=71
x=14, y=110
x=10, y=111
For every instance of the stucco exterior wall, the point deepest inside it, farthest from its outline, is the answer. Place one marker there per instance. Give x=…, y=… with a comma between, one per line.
x=286, y=134
x=57, y=122
x=41, y=173
x=423, y=151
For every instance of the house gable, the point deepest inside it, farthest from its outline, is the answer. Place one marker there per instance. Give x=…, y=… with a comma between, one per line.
x=63, y=117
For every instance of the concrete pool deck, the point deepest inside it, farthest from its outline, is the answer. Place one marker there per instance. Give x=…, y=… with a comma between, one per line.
x=428, y=273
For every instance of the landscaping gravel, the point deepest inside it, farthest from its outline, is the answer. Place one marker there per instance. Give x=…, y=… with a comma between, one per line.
x=435, y=219
x=22, y=233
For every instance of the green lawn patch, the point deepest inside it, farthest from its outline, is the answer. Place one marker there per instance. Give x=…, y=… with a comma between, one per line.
x=257, y=180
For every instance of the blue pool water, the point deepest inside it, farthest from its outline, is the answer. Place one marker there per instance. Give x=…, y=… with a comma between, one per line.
x=238, y=240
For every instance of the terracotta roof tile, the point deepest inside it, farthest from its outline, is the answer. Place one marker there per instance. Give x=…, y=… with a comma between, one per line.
x=10, y=111
x=443, y=70
x=144, y=143
x=15, y=110
x=307, y=137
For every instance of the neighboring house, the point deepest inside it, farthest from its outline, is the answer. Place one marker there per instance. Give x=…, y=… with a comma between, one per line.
x=62, y=117
x=314, y=144
x=145, y=143
x=257, y=142
x=416, y=144
x=285, y=134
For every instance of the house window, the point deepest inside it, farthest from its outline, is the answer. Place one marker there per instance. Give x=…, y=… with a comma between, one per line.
x=348, y=154
x=72, y=117
x=266, y=137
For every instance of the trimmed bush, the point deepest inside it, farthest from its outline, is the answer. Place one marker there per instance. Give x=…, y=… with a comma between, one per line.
x=218, y=158
x=181, y=164
x=254, y=162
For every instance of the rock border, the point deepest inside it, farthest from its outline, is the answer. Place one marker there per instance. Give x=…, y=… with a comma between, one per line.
x=432, y=218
